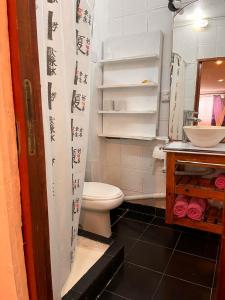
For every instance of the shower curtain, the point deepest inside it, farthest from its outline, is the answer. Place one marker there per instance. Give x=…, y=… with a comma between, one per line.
x=218, y=111
x=64, y=28
x=177, y=97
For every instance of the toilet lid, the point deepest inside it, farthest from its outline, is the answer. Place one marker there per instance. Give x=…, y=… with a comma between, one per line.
x=100, y=191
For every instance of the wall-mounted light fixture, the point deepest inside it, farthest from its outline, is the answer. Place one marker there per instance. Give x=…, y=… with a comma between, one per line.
x=200, y=23
x=177, y=6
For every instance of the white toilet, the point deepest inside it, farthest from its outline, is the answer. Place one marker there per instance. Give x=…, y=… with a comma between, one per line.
x=98, y=199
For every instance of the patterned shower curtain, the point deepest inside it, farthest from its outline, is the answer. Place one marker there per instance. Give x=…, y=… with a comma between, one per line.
x=177, y=98
x=218, y=117
x=64, y=28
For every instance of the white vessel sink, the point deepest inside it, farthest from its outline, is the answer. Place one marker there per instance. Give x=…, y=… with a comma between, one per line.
x=205, y=136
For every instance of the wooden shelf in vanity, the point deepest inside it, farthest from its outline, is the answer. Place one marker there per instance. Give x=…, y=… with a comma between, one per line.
x=194, y=191
x=215, y=228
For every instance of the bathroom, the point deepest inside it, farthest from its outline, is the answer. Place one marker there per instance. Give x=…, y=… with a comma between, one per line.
x=119, y=108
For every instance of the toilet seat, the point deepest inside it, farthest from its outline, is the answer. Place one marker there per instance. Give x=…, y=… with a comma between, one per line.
x=97, y=191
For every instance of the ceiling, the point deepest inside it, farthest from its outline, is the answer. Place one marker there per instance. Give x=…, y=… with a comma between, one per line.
x=206, y=8
x=211, y=73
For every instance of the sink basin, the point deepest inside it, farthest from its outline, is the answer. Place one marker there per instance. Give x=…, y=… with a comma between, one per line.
x=205, y=136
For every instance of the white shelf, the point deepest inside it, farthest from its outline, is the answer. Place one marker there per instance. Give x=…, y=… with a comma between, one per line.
x=127, y=59
x=130, y=85
x=126, y=112
x=144, y=138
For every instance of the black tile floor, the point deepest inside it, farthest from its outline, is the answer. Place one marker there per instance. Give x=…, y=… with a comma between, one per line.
x=161, y=262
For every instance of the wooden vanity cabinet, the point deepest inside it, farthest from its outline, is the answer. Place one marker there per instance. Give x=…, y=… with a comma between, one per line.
x=176, y=186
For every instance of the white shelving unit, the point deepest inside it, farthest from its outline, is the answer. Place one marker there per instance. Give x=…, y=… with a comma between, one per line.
x=127, y=62
x=129, y=85
x=120, y=136
x=126, y=112
x=128, y=59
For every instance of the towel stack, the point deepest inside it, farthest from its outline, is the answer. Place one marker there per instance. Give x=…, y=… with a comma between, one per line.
x=220, y=182
x=194, y=208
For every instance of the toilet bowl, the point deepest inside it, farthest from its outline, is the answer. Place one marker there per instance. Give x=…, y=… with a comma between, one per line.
x=98, y=199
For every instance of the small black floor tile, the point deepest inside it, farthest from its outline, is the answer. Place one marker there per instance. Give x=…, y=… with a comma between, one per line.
x=191, y=268
x=115, y=214
x=175, y=289
x=129, y=228
x=166, y=237
x=114, y=218
x=134, y=282
x=138, y=216
x=124, y=241
x=160, y=212
x=158, y=221
x=150, y=256
x=198, y=245
x=72, y=296
x=119, y=211
x=109, y=296
x=150, y=210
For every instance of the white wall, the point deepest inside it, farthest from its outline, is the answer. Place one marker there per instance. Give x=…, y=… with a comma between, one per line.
x=129, y=164
x=206, y=43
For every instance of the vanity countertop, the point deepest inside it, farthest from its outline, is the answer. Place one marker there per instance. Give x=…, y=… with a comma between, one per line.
x=188, y=147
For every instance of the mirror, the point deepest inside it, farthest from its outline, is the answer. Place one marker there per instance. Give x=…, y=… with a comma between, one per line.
x=198, y=66
x=210, y=92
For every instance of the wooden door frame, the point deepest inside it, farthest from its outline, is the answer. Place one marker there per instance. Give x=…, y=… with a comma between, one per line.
x=28, y=112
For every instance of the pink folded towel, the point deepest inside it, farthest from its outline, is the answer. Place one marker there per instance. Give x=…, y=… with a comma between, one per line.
x=220, y=182
x=181, y=206
x=196, y=209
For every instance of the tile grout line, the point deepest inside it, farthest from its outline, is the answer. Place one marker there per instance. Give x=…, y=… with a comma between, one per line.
x=138, y=239
x=198, y=256
x=108, y=283
x=214, y=275
x=145, y=268
x=120, y=217
x=115, y=294
x=164, y=272
x=191, y=282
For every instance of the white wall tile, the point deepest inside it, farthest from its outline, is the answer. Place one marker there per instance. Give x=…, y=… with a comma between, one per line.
x=167, y=48
x=153, y=4
x=160, y=19
x=207, y=51
x=220, y=48
x=165, y=83
x=131, y=155
x=112, y=175
x=116, y=27
x=164, y=111
x=135, y=24
x=115, y=8
x=134, y=6
x=113, y=153
x=147, y=160
x=208, y=36
x=163, y=128
x=190, y=85
x=191, y=71
x=189, y=103
x=153, y=183
x=131, y=180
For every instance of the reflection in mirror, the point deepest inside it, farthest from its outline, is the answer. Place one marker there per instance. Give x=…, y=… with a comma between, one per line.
x=198, y=36
x=210, y=95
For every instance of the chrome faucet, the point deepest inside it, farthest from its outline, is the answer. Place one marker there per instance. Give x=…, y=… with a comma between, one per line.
x=190, y=118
